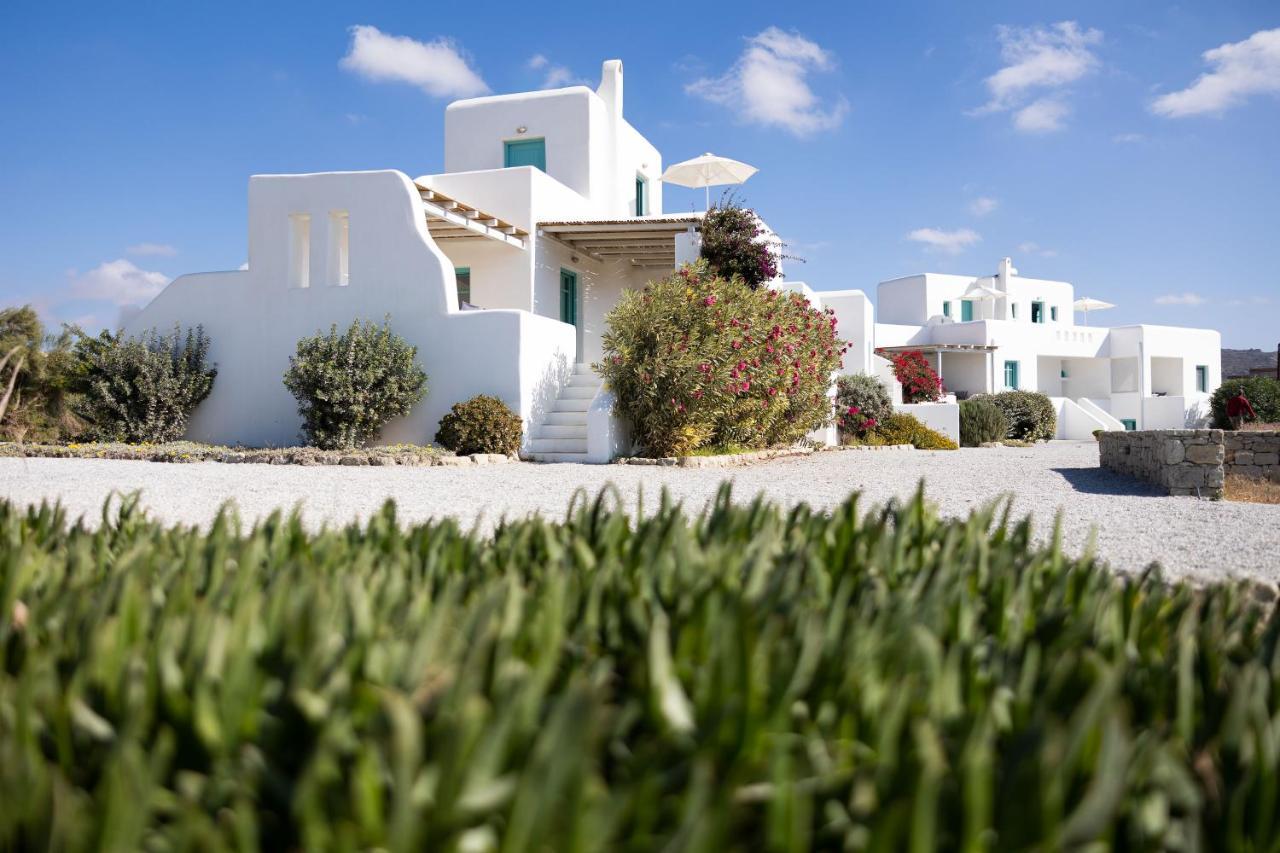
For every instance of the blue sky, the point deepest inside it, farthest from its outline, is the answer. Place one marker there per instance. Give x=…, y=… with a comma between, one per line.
x=1095, y=142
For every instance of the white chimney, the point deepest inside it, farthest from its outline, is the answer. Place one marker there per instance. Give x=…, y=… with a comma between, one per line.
x=610, y=89
x=1003, y=273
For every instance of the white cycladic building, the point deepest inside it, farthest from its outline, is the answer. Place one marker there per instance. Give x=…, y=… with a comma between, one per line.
x=501, y=271
x=986, y=334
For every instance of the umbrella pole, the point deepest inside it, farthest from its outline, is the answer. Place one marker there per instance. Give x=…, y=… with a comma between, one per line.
x=707, y=198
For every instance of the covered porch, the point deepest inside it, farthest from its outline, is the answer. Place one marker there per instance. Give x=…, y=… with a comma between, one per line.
x=966, y=369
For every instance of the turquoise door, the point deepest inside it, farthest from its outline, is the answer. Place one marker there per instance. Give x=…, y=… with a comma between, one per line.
x=1011, y=375
x=569, y=297
x=525, y=152
x=966, y=310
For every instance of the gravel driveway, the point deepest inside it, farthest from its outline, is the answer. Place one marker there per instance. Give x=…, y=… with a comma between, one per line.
x=1134, y=524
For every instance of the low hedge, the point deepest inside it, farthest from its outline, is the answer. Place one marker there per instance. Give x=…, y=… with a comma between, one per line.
x=981, y=422
x=1263, y=394
x=1030, y=414
x=749, y=678
x=483, y=424
x=901, y=428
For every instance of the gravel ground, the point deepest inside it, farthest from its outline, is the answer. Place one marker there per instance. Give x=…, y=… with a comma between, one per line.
x=1134, y=525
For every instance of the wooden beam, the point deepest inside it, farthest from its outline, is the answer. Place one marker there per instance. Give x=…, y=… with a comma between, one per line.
x=656, y=228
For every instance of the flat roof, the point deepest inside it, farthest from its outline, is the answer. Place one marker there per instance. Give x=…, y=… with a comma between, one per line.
x=937, y=348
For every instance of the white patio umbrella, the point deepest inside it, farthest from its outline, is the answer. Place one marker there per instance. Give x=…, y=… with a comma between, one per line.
x=1088, y=303
x=708, y=171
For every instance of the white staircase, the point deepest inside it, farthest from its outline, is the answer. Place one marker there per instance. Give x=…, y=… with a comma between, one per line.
x=561, y=436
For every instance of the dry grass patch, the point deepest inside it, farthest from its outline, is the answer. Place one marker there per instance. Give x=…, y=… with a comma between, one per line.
x=1251, y=490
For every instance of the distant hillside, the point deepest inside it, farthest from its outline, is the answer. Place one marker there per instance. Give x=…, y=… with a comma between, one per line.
x=1236, y=362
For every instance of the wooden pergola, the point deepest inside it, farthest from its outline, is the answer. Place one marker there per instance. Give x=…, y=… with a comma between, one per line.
x=450, y=219
x=988, y=350
x=646, y=241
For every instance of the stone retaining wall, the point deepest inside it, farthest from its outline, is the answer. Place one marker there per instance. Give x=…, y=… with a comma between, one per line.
x=1253, y=454
x=1184, y=461
x=1191, y=461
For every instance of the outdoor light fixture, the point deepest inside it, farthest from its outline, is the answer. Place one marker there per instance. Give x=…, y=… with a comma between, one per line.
x=521, y=129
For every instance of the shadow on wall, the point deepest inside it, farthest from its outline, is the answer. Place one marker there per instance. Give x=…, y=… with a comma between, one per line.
x=545, y=390
x=1197, y=416
x=1100, y=481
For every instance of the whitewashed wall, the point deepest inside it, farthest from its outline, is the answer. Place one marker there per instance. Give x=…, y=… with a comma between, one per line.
x=254, y=318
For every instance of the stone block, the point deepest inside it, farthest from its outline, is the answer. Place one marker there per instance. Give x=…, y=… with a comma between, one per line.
x=1205, y=454
x=1265, y=459
x=1244, y=457
x=1189, y=477
x=1174, y=451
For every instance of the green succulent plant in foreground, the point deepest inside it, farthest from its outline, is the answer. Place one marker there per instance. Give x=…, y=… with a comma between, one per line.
x=747, y=677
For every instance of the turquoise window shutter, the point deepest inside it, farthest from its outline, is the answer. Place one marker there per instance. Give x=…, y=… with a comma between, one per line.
x=966, y=310
x=525, y=152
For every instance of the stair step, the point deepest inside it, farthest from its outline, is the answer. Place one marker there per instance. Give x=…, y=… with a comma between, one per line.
x=579, y=380
x=572, y=404
x=559, y=457
x=583, y=367
x=558, y=445
x=578, y=392
x=561, y=431
x=565, y=419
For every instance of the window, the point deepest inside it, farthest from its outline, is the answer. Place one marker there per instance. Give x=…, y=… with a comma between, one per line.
x=1053, y=313
x=1011, y=375
x=1202, y=378
x=525, y=152
x=966, y=310
x=339, y=248
x=1062, y=374
x=1037, y=312
x=299, y=250
x=1013, y=310
x=642, y=195
x=463, y=277
x=946, y=309
x=569, y=297
x=1129, y=424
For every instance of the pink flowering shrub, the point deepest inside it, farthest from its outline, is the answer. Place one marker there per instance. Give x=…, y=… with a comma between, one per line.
x=732, y=247
x=920, y=383
x=862, y=403
x=697, y=360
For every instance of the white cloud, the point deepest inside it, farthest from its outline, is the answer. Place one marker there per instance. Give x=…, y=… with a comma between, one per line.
x=769, y=84
x=1040, y=60
x=1042, y=116
x=1030, y=248
x=1253, y=300
x=1180, y=299
x=554, y=76
x=1240, y=69
x=119, y=282
x=152, y=249
x=1128, y=138
x=951, y=242
x=983, y=205
x=437, y=67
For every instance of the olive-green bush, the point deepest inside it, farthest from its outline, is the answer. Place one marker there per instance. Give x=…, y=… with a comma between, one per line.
x=695, y=360
x=1030, y=414
x=749, y=678
x=140, y=389
x=981, y=421
x=482, y=424
x=350, y=385
x=1262, y=392
x=901, y=428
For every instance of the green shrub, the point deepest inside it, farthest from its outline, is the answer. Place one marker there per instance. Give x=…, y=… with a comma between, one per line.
x=981, y=422
x=349, y=386
x=1263, y=393
x=902, y=428
x=697, y=360
x=482, y=424
x=141, y=389
x=1030, y=414
x=751, y=678
x=862, y=402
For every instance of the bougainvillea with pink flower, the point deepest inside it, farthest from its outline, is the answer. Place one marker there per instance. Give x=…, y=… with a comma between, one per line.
x=733, y=244
x=696, y=360
x=920, y=383
x=862, y=403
